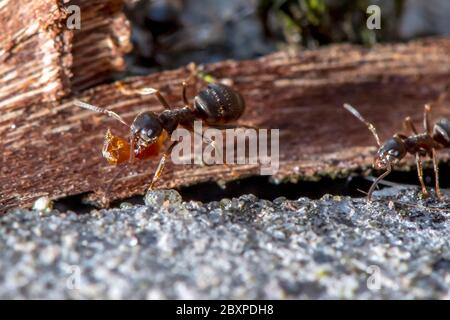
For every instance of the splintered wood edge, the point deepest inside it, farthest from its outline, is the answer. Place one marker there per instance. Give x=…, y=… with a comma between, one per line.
x=41, y=60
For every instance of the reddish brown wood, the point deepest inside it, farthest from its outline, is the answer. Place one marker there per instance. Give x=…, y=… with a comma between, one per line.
x=101, y=43
x=57, y=150
x=34, y=64
x=42, y=60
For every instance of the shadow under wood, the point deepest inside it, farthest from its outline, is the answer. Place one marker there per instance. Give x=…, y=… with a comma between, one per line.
x=262, y=188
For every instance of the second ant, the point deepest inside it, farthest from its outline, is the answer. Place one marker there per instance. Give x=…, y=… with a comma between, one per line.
x=420, y=145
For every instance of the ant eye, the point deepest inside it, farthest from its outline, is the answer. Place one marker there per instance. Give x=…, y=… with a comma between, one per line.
x=394, y=153
x=146, y=134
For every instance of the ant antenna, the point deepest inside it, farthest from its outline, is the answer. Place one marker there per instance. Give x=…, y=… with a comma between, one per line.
x=362, y=191
x=374, y=184
x=370, y=126
x=91, y=107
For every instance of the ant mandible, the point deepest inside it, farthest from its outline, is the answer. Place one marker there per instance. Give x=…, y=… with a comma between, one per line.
x=218, y=105
x=418, y=144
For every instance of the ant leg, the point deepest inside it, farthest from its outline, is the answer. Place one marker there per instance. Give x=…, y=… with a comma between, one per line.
x=192, y=67
x=195, y=72
x=409, y=125
x=231, y=126
x=436, y=174
x=219, y=152
x=161, y=165
x=184, y=94
x=207, y=140
x=420, y=174
x=143, y=92
x=377, y=180
x=212, y=143
x=426, y=118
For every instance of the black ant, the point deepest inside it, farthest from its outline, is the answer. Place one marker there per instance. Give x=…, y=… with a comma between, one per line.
x=218, y=105
x=418, y=144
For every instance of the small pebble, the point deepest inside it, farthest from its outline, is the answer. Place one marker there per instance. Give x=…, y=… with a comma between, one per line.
x=125, y=205
x=43, y=205
x=163, y=198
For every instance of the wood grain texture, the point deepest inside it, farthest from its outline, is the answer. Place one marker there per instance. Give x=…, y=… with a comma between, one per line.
x=34, y=55
x=100, y=45
x=57, y=150
x=41, y=60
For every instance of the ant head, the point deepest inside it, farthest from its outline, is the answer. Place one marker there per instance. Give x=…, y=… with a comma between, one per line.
x=146, y=128
x=390, y=152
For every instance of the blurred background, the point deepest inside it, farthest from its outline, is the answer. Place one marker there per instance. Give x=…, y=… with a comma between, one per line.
x=170, y=33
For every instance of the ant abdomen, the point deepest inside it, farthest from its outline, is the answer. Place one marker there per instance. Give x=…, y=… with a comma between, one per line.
x=441, y=132
x=218, y=103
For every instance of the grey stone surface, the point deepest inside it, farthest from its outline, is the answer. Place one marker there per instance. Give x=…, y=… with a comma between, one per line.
x=335, y=247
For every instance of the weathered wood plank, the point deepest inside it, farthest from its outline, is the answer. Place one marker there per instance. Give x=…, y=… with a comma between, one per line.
x=101, y=43
x=34, y=66
x=57, y=150
x=42, y=60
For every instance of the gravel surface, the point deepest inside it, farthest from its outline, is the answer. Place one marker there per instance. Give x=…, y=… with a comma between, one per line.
x=335, y=247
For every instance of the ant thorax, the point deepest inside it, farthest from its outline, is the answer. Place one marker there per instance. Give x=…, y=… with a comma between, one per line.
x=422, y=144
